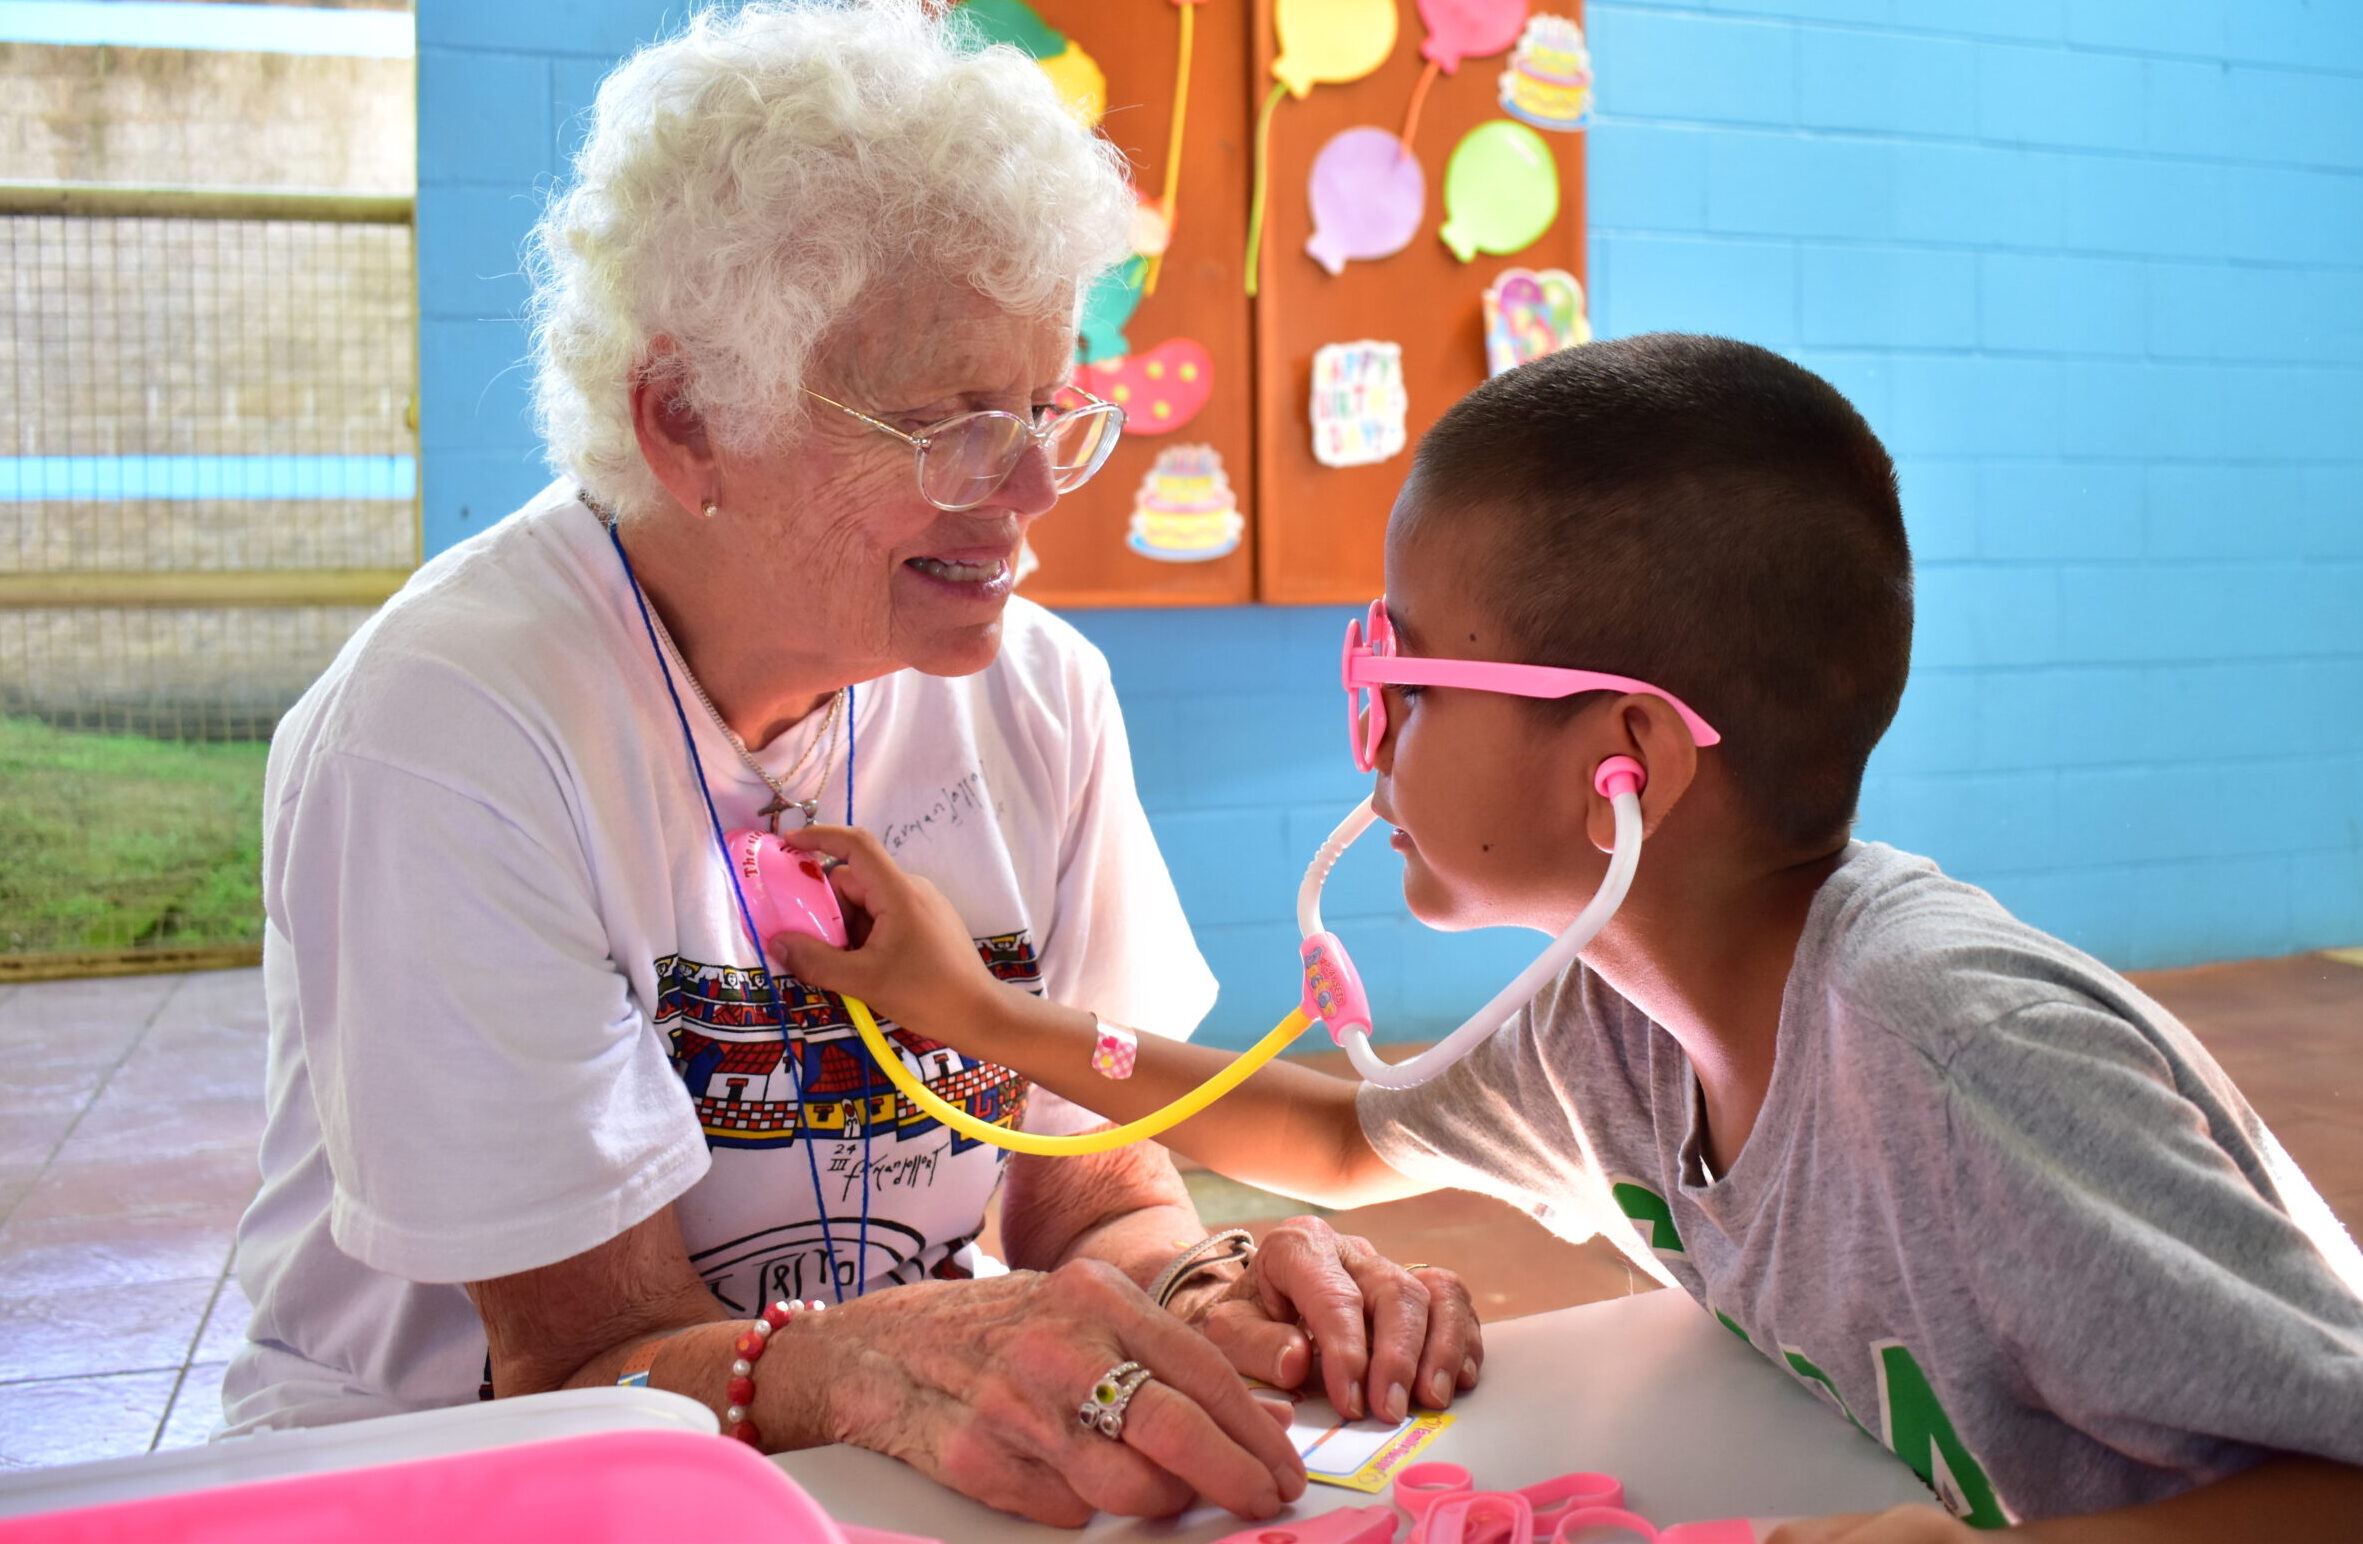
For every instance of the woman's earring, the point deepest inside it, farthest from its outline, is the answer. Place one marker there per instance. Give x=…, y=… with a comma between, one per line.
x=709, y=509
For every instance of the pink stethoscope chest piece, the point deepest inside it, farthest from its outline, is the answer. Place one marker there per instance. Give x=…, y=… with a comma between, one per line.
x=786, y=889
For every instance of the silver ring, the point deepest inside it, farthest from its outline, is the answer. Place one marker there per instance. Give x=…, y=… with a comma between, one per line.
x=1103, y=1408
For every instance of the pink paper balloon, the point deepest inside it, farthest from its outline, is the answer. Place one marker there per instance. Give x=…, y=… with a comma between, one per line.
x=1368, y=195
x=1469, y=29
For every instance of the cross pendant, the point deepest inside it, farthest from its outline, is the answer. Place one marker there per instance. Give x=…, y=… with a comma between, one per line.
x=780, y=804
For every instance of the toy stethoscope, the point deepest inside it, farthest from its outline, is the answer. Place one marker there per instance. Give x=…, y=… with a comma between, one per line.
x=1445, y=1507
x=787, y=891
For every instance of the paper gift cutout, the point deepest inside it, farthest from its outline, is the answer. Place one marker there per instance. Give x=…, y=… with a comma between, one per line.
x=1368, y=195
x=1358, y=403
x=1501, y=190
x=1330, y=40
x=1530, y=314
x=1549, y=81
x=1185, y=511
x=1160, y=390
x=1468, y=29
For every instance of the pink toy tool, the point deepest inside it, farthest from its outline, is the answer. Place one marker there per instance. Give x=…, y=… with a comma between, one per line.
x=1353, y=1525
x=786, y=890
x=1426, y=1489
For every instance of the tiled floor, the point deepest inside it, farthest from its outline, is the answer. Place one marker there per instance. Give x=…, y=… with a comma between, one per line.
x=129, y=1111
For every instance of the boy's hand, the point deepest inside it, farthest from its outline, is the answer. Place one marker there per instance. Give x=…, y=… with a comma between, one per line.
x=1897, y=1525
x=914, y=962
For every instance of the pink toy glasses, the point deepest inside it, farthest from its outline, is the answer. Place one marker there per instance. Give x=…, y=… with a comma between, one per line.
x=1370, y=662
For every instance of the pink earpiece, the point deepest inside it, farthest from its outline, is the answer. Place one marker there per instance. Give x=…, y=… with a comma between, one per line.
x=1618, y=774
x=786, y=890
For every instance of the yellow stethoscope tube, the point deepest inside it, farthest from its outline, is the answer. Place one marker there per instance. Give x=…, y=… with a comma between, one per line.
x=1189, y=1104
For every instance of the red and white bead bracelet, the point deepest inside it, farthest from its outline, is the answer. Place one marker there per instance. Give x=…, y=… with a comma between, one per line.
x=750, y=1345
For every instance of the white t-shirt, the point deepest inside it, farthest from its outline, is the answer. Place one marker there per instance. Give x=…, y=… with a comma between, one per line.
x=511, y=1006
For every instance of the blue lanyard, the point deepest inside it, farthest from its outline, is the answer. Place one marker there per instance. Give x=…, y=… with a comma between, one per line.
x=779, y=1007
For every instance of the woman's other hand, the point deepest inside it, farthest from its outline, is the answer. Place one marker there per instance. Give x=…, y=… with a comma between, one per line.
x=912, y=958
x=977, y=1384
x=1386, y=1337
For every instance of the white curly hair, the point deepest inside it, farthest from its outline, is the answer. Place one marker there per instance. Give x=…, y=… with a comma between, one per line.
x=748, y=184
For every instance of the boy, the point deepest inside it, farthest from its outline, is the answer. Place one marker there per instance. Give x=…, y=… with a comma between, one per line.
x=1974, y=1187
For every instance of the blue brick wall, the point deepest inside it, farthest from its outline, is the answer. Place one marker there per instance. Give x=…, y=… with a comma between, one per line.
x=2093, y=268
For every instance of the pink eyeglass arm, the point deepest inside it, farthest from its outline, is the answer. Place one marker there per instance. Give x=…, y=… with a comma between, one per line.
x=1369, y=670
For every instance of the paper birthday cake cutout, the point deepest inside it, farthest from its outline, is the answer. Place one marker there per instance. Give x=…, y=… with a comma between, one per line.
x=1185, y=511
x=1549, y=81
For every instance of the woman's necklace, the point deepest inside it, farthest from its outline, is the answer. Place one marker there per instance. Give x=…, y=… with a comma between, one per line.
x=661, y=643
x=782, y=800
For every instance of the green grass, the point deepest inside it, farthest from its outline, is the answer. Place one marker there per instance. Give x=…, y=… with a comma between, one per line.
x=114, y=842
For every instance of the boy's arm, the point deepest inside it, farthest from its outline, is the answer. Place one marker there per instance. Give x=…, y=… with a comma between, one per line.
x=2287, y=1498
x=1286, y=1128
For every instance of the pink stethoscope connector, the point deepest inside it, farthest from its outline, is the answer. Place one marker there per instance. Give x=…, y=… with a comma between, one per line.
x=1333, y=991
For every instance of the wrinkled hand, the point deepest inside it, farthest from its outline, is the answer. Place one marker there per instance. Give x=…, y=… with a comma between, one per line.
x=1897, y=1525
x=976, y=1384
x=1386, y=1338
x=912, y=959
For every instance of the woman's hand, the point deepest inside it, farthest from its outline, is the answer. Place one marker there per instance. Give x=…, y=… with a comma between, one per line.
x=1386, y=1338
x=912, y=959
x=977, y=1383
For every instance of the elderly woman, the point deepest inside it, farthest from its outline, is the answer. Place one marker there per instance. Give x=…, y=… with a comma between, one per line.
x=539, y=1118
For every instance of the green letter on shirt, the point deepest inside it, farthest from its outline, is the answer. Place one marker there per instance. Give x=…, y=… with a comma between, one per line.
x=1921, y=1434
x=1804, y=1367
x=1643, y=1204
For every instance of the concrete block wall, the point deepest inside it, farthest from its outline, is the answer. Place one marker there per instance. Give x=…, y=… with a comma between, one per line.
x=2094, y=269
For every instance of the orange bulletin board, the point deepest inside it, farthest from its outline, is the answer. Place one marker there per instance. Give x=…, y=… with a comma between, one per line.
x=1082, y=543
x=1312, y=532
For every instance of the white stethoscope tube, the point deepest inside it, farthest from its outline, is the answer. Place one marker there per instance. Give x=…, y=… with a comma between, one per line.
x=1623, y=861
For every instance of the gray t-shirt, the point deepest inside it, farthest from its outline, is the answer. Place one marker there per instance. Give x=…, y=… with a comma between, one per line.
x=1999, y=1207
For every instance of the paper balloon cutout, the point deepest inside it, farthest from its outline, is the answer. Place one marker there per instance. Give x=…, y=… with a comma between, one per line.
x=1185, y=511
x=1368, y=195
x=1358, y=403
x=1549, y=81
x=1469, y=29
x=1014, y=22
x=1160, y=390
x=1081, y=84
x=1107, y=306
x=1331, y=40
x=1529, y=314
x=1501, y=190
x=1150, y=233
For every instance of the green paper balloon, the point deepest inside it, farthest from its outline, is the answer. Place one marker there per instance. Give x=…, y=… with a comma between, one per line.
x=1107, y=306
x=1014, y=21
x=1501, y=190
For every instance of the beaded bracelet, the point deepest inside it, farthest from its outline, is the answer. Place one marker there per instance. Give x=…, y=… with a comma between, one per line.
x=750, y=1346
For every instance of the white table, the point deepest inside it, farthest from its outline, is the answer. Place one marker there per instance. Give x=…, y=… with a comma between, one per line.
x=1648, y=1388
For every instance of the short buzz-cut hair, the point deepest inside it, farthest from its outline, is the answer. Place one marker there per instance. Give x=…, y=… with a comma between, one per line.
x=1706, y=516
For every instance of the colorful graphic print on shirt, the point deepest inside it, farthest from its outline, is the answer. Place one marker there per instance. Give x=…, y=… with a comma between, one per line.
x=723, y=1033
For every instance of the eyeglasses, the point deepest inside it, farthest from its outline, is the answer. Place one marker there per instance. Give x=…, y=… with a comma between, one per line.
x=1371, y=662
x=964, y=459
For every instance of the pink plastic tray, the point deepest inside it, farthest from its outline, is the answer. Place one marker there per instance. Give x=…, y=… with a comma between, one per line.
x=622, y=1486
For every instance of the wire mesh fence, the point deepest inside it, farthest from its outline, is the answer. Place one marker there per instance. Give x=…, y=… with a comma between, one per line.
x=207, y=478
